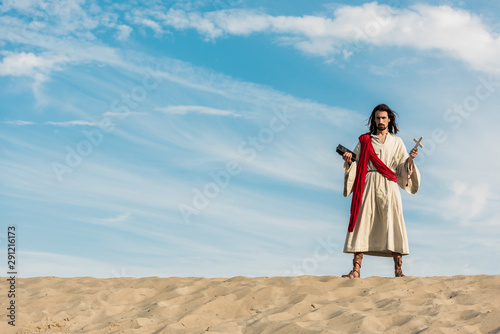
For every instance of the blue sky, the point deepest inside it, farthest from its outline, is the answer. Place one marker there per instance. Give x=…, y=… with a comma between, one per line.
x=193, y=138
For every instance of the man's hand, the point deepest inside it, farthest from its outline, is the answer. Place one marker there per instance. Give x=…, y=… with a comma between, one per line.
x=347, y=157
x=413, y=155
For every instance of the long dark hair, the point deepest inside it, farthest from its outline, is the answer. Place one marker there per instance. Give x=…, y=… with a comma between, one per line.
x=393, y=127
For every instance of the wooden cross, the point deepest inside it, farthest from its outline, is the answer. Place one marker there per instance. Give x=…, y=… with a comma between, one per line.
x=417, y=145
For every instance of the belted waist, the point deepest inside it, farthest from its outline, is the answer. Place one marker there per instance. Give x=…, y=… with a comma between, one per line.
x=372, y=170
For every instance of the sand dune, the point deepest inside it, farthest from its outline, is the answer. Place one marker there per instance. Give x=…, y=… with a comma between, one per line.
x=305, y=304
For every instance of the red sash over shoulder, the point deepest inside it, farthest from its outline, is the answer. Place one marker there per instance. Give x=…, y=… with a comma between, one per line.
x=366, y=153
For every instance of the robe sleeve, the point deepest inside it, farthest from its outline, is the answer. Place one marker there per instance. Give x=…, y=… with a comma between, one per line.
x=350, y=173
x=408, y=177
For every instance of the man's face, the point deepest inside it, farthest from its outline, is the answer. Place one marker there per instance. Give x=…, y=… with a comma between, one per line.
x=381, y=120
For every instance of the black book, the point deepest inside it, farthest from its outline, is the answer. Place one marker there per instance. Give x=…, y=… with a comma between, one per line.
x=341, y=150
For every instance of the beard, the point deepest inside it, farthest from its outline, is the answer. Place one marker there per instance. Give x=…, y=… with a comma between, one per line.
x=381, y=127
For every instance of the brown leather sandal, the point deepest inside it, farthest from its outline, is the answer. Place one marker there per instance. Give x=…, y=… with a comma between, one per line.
x=398, y=262
x=356, y=266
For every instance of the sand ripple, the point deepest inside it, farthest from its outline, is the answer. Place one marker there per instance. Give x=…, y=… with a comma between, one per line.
x=305, y=304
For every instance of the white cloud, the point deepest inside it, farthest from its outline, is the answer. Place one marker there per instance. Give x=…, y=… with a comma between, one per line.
x=17, y=4
x=117, y=220
x=76, y=122
x=456, y=32
x=180, y=19
x=123, y=32
x=60, y=17
x=236, y=22
x=151, y=24
x=183, y=110
x=19, y=122
x=28, y=64
x=122, y=114
x=141, y=20
x=31, y=65
x=60, y=41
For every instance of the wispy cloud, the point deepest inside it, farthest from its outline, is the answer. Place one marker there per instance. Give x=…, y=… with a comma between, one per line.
x=116, y=220
x=145, y=22
x=70, y=123
x=19, y=122
x=123, y=32
x=183, y=110
x=122, y=114
x=60, y=17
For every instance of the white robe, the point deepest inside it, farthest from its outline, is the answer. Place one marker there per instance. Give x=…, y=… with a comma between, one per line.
x=380, y=227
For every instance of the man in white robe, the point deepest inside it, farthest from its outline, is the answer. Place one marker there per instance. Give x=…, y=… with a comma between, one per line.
x=379, y=229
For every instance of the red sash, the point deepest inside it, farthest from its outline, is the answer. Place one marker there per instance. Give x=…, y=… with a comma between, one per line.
x=366, y=153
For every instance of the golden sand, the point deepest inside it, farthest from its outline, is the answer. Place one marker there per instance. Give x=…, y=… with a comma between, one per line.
x=305, y=304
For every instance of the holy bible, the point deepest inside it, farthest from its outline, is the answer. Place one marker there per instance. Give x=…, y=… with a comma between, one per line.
x=341, y=150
